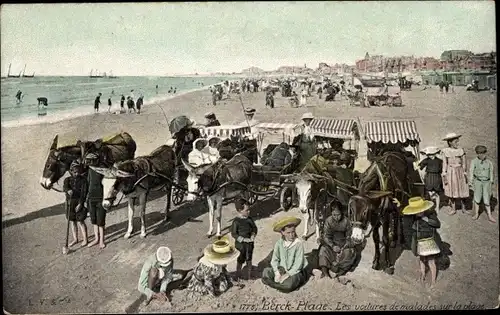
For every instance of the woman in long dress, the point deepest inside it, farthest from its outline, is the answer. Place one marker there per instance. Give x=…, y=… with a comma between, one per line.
x=454, y=174
x=303, y=98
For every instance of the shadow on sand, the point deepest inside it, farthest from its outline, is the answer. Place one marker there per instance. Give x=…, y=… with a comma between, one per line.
x=60, y=209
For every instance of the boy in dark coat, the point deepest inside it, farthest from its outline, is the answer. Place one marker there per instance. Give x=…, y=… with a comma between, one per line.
x=75, y=188
x=243, y=230
x=95, y=195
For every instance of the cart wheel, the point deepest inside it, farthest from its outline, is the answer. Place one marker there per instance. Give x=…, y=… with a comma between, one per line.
x=321, y=206
x=251, y=197
x=286, y=198
x=177, y=196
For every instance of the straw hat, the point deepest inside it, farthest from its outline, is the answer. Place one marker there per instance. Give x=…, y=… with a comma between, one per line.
x=288, y=221
x=209, y=115
x=164, y=256
x=451, y=136
x=249, y=111
x=307, y=116
x=431, y=150
x=417, y=205
x=220, y=252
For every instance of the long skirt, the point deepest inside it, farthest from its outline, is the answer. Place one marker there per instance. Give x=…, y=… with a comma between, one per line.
x=340, y=263
x=456, y=185
x=290, y=284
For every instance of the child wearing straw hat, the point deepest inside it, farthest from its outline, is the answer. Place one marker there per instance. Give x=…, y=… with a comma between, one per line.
x=481, y=171
x=424, y=241
x=433, y=169
x=156, y=274
x=454, y=172
x=210, y=276
x=288, y=264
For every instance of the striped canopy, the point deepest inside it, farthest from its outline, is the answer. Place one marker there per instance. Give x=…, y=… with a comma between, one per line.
x=287, y=129
x=391, y=131
x=225, y=131
x=334, y=128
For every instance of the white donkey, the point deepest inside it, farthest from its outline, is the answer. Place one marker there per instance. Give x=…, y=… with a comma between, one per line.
x=136, y=178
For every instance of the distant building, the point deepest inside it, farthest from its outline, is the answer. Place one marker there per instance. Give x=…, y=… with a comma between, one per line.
x=252, y=71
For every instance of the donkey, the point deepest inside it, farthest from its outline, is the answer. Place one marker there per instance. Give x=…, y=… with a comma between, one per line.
x=388, y=174
x=121, y=147
x=221, y=181
x=136, y=178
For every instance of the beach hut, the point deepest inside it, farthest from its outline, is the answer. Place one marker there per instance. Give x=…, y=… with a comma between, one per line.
x=492, y=82
x=431, y=77
x=456, y=78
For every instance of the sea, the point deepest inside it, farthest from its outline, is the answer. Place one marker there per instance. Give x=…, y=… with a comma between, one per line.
x=74, y=96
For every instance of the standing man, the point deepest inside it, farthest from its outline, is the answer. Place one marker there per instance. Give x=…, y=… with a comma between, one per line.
x=97, y=102
x=95, y=195
x=306, y=141
x=122, y=104
x=109, y=104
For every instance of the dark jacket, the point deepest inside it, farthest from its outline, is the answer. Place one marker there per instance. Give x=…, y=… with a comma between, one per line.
x=336, y=233
x=427, y=228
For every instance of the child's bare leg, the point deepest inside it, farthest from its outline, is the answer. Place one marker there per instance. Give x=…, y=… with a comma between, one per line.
x=83, y=228
x=476, y=211
x=101, y=237
x=96, y=237
x=488, y=211
x=75, y=234
x=452, y=205
x=249, y=266
x=238, y=271
x=462, y=202
x=433, y=268
x=421, y=261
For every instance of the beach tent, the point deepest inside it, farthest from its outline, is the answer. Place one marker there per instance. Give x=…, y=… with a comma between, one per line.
x=330, y=128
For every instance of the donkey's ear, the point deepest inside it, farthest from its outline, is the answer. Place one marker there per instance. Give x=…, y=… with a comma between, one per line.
x=54, y=143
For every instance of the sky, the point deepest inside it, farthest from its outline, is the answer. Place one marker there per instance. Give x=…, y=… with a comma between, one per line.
x=182, y=38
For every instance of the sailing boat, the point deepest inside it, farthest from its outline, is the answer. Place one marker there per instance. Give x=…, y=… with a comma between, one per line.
x=97, y=75
x=12, y=75
x=27, y=76
x=111, y=76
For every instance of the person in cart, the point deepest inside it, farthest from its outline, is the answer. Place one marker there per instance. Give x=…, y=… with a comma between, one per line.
x=279, y=157
x=306, y=142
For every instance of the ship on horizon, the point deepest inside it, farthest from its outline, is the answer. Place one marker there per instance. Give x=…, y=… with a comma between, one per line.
x=27, y=76
x=12, y=75
x=97, y=75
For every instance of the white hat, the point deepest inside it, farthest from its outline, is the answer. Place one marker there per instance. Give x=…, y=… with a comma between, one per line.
x=451, y=136
x=307, y=116
x=431, y=150
x=164, y=256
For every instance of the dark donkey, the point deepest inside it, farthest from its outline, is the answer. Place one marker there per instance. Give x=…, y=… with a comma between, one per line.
x=118, y=148
x=222, y=181
x=389, y=175
x=136, y=178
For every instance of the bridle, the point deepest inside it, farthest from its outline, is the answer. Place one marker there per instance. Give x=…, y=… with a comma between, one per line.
x=352, y=214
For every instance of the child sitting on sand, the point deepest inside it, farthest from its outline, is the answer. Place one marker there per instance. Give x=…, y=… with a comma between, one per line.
x=243, y=230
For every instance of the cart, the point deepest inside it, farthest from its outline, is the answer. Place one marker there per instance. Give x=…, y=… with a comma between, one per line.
x=391, y=134
x=264, y=178
x=222, y=132
x=341, y=135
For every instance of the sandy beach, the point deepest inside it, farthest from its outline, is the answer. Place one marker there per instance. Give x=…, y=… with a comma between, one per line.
x=92, y=280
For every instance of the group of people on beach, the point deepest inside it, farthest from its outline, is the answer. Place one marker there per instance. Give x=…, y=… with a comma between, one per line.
x=132, y=106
